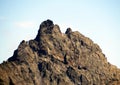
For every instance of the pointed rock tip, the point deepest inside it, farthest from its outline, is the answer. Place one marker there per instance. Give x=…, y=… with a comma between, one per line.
x=48, y=24
x=47, y=27
x=69, y=30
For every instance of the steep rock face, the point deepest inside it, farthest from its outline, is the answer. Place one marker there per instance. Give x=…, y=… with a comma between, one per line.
x=55, y=58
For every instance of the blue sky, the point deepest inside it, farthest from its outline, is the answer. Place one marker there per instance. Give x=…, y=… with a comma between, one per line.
x=96, y=19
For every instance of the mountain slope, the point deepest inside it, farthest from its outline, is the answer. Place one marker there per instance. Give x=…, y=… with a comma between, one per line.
x=55, y=58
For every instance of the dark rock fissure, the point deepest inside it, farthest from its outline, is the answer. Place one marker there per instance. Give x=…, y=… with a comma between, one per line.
x=11, y=82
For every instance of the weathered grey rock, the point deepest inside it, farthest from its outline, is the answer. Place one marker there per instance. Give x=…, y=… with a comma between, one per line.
x=55, y=58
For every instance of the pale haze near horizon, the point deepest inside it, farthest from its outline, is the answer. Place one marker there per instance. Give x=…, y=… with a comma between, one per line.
x=97, y=19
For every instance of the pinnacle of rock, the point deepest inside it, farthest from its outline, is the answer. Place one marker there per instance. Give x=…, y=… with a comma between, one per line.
x=55, y=58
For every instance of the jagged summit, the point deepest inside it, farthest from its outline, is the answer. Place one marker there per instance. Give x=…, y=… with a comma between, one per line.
x=46, y=28
x=69, y=30
x=47, y=24
x=55, y=58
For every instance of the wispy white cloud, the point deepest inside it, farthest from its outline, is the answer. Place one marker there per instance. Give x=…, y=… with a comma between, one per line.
x=25, y=24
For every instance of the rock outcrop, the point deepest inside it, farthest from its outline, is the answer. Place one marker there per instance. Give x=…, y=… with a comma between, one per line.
x=56, y=58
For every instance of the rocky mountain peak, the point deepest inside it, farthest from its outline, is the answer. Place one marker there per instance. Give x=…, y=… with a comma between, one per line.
x=47, y=28
x=69, y=30
x=47, y=24
x=55, y=58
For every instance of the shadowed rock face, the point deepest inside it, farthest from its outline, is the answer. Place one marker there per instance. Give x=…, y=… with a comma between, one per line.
x=55, y=58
